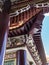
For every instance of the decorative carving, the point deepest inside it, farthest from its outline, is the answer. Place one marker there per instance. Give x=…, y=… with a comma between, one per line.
x=16, y=41
x=10, y=56
x=26, y=39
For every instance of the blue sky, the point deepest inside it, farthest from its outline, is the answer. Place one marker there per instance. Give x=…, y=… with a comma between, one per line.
x=45, y=34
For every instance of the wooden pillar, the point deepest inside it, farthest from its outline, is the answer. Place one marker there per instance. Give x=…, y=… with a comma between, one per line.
x=21, y=57
x=4, y=21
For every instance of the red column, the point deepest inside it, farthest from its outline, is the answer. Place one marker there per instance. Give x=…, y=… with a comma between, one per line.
x=21, y=57
x=4, y=21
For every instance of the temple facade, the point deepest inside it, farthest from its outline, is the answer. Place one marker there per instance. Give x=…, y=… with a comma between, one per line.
x=24, y=45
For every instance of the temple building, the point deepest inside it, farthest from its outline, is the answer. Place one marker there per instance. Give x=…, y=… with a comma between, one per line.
x=24, y=45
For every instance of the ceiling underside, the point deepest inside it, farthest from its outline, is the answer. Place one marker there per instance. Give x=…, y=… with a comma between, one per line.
x=28, y=26
x=32, y=24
